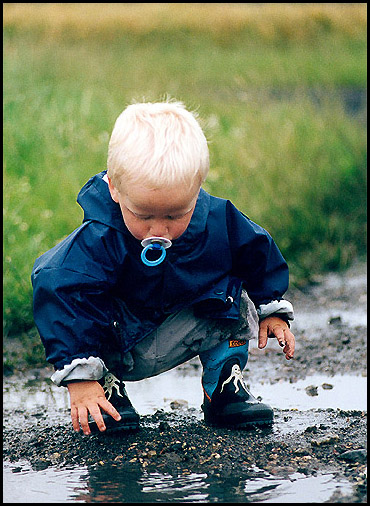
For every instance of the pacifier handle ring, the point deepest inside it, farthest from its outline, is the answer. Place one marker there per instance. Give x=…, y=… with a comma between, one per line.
x=153, y=263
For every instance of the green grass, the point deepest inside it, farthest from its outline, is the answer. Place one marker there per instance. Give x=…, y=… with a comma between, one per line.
x=294, y=164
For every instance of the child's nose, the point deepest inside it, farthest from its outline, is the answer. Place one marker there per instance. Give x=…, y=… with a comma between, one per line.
x=159, y=229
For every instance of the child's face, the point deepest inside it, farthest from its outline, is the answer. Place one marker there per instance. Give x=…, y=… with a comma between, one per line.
x=164, y=212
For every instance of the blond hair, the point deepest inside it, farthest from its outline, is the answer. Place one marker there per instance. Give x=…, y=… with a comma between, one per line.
x=157, y=144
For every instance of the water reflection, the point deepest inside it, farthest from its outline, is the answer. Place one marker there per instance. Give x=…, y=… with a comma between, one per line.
x=187, y=487
x=23, y=484
x=109, y=484
x=296, y=489
x=115, y=484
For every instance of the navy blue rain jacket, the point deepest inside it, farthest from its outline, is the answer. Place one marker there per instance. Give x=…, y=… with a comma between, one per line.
x=76, y=282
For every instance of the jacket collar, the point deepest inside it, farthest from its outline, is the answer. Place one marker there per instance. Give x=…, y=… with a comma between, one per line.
x=97, y=204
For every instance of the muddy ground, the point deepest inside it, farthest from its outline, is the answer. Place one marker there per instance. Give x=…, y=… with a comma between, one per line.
x=331, y=339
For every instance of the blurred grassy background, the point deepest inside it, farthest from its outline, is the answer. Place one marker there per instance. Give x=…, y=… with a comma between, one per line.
x=280, y=90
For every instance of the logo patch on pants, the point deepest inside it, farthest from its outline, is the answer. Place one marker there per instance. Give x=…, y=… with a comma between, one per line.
x=233, y=343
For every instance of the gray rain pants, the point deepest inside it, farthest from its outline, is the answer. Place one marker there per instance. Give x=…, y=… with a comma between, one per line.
x=181, y=337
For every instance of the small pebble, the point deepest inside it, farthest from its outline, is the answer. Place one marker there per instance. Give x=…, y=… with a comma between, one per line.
x=311, y=390
x=327, y=386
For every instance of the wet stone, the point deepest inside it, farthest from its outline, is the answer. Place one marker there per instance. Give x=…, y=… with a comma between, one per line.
x=327, y=386
x=335, y=320
x=354, y=455
x=313, y=429
x=327, y=440
x=311, y=390
x=179, y=404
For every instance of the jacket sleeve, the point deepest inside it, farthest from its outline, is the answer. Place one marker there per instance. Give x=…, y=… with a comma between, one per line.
x=260, y=264
x=70, y=286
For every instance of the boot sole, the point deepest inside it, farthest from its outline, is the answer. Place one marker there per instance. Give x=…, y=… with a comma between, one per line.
x=114, y=429
x=112, y=426
x=122, y=428
x=242, y=425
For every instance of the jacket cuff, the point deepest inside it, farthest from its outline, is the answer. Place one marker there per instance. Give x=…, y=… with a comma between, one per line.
x=92, y=368
x=283, y=307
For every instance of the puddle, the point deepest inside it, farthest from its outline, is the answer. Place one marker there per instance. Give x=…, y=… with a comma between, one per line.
x=341, y=296
x=116, y=485
x=318, y=391
x=352, y=317
x=297, y=489
x=20, y=482
x=346, y=392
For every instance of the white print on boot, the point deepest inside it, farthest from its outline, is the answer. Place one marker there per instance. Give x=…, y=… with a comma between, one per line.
x=236, y=375
x=111, y=382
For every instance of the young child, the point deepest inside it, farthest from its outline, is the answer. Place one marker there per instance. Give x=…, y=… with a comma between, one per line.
x=158, y=273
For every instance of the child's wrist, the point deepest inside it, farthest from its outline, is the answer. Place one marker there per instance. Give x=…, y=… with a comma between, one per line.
x=75, y=381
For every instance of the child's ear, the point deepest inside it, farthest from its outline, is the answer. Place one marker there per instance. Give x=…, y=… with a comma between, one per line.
x=114, y=193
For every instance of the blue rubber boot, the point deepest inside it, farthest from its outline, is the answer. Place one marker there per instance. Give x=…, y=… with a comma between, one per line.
x=227, y=401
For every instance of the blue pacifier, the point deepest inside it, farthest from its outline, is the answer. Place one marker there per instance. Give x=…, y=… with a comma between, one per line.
x=156, y=244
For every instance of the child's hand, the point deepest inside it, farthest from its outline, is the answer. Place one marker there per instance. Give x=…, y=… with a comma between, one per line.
x=274, y=326
x=88, y=397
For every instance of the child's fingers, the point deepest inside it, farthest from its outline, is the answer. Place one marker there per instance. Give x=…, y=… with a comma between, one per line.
x=110, y=409
x=97, y=416
x=262, y=335
x=289, y=344
x=74, y=416
x=83, y=417
x=280, y=335
x=271, y=327
x=286, y=340
x=79, y=416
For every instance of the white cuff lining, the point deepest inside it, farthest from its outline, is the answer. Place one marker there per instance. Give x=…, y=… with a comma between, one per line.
x=276, y=306
x=92, y=368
